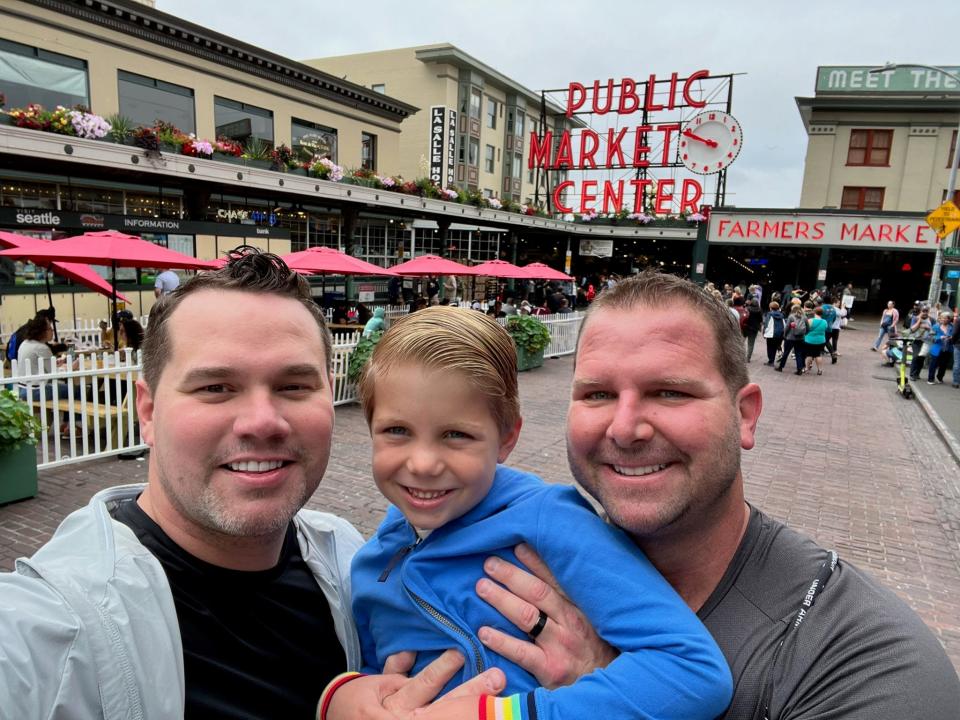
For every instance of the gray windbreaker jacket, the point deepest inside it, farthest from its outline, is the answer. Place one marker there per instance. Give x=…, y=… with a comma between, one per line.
x=88, y=627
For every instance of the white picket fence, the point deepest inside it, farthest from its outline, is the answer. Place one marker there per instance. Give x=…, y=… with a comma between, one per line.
x=87, y=404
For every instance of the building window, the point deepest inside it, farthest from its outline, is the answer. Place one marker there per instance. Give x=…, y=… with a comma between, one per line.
x=862, y=198
x=487, y=193
x=368, y=151
x=239, y=121
x=953, y=149
x=145, y=100
x=313, y=140
x=488, y=159
x=462, y=148
x=869, y=147
x=475, y=99
x=474, y=157
x=519, y=127
x=379, y=88
x=491, y=113
x=517, y=168
x=31, y=75
x=530, y=178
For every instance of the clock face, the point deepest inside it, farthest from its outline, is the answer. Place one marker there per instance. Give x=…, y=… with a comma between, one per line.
x=710, y=141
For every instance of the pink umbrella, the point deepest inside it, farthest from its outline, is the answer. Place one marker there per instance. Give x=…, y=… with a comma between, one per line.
x=431, y=265
x=109, y=247
x=501, y=269
x=327, y=261
x=539, y=271
x=83, y=274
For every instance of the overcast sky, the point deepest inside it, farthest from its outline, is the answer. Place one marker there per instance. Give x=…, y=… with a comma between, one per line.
x=778, y=45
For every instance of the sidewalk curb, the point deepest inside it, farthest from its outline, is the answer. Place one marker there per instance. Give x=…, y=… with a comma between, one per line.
x=948, y=437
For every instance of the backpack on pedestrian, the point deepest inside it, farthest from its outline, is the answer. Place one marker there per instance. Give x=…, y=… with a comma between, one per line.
x=743, y=313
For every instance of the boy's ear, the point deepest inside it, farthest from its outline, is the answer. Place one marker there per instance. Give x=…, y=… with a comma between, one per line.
x=509, y=440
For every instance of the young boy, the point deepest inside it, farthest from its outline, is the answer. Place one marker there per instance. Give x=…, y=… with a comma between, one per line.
x=440, y=396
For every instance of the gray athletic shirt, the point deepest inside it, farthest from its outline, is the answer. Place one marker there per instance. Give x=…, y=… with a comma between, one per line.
x=860, y=654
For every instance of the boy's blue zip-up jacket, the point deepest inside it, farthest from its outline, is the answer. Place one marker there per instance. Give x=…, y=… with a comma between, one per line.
x=419, y=596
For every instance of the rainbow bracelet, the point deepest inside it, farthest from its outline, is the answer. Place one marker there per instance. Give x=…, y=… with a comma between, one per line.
x=508, y=708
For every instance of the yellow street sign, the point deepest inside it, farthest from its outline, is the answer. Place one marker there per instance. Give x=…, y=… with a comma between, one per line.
x=945, y=219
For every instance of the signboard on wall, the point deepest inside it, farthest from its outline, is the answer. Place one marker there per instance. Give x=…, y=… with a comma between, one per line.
x=857, y=79
x=868, y=232
x=596, y=248
x=438, y=144
x=451, y=145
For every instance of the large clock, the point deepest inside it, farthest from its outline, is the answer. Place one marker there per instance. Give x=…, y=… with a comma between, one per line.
x=710, y=141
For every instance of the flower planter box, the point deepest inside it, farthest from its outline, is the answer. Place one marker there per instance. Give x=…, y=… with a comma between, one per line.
x=262, y=164
x=528, y=361
x=5, y=119
x=18, y=474
x=232, y=159
x=298, y=171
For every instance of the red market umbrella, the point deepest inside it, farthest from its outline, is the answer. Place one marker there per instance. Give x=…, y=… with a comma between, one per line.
x=539, y=271
x=327, y=261
x=501, y=269
x=78, y=272
x=109, y=247
x=431, y=265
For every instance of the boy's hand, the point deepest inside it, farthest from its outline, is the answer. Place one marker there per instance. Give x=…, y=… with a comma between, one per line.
x=396, y=697
x=567, y=647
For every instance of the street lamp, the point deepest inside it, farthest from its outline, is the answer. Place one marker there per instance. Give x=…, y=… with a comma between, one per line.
x=934, y=294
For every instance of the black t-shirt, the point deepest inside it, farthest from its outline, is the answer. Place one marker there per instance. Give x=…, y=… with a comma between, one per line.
x=860, y=654
x=255, y=644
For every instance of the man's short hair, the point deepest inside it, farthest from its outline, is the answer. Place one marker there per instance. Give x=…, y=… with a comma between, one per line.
x=247, y=270
x=656, y=291
x=455, y=339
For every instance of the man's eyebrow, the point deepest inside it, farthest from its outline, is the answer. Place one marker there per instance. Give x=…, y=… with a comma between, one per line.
x=223, y=372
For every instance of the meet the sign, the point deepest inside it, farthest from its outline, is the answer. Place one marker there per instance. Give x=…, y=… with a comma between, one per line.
x=859, y=231
x=858, y=79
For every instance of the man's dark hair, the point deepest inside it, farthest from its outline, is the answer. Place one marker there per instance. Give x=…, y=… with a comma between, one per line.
x=247, y=270
x=661, y=291
x=36, y=329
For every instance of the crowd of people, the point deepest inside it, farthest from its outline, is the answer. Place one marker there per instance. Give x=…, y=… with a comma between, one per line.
x=928, y=336
x=210, y=592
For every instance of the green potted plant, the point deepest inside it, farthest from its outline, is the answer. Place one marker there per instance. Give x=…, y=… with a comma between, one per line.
x=361, y=354
x=18, y=456
x=256, y=153
x=531, y=337
x=121, y=129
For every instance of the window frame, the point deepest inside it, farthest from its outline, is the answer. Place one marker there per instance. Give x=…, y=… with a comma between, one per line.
x=953, y=148
x=162, y=86
x=491, y=113
x=475, y=109
x=861, y=199
x=870, y=147
x=246, y=107
x=368, y=140
x=489, y=159
x=473, y=152
x=53, y=58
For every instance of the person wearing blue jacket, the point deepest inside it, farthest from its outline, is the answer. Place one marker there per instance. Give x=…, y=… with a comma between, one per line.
x=440, y=395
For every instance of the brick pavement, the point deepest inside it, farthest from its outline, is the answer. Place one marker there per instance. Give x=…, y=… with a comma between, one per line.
x=841, y=457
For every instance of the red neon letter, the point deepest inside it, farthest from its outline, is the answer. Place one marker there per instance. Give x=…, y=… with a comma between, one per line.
x=690, y=200
x=540, y=152
x=628, y=91
x=672, y=98
x=609, y=195
x=667, y=131
x=576, y=95
x=698, y=75
x=613, y=147
x=664, y=195
x=557, y=192
x=596, y=97
x=585, y=196
x=564, y=157
x=640, y=188
x=586, y=151
x=640, y=151
x=648, y=102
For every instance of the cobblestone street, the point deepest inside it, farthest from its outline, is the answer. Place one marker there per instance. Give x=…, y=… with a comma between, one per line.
x=841, y=457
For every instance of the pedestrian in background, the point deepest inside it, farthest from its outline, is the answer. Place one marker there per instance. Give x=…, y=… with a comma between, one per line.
x=815, y=340
x=891, y=316
x=941, y=353
x=793, y=338
x=773, y=325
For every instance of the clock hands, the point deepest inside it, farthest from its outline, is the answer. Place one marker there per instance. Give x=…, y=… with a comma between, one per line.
x=705, y=141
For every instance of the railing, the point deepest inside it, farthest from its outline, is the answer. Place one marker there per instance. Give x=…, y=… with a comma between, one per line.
x=87, y=405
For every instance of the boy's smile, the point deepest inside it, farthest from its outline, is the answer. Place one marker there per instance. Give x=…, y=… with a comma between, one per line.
x=436, y=443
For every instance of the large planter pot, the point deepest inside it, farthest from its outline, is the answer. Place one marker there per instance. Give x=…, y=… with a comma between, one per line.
x=298, y=171
x=5, y=119
x=232, y=159
x=527, y=360
x=262, y=164
x=18, y=474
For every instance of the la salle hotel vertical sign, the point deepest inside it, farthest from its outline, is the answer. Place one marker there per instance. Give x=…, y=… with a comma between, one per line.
x=443, y=138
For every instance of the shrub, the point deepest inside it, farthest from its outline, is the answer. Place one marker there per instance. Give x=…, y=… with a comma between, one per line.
x=528, y=333
x=17, y=423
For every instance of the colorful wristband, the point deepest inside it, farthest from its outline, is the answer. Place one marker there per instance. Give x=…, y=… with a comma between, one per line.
x=326, y=697
x=504, y=708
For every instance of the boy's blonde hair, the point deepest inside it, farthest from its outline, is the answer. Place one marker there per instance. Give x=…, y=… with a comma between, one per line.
x=452, y=339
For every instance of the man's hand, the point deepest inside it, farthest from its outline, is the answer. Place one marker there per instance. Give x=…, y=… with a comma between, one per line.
x=395, y=697
x=566, y=649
